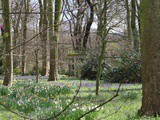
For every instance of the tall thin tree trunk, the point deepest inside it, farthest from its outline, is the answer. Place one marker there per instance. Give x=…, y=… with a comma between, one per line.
x=150, y=57
x=53, y=76
x=8, y=44
x=133, y=26
x=44, y=39
x=50, y=18
x=78, y=28
x=128, y=23
x=16, y=24
x=89, y=23
x=138, y=17
x=99, y=69
x=102, y=33
x=24, y=24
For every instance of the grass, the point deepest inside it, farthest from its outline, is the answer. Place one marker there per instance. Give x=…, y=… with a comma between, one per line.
x=124, y=107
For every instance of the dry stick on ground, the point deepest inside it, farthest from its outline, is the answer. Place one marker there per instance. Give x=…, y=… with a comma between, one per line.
x=92, y=110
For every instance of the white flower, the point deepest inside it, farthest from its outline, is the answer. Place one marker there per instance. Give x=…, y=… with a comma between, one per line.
x=76, y=104
x=68, y=100
x=97, y=109
x=84, y=108
x=74, y=109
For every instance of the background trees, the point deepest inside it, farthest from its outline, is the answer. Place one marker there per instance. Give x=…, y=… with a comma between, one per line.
x=102, y=36
x=80, y=21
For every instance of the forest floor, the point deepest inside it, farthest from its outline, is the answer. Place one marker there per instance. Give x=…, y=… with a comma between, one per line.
x=46, y=99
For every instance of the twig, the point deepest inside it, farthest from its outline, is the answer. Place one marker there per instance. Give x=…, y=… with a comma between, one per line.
x=115, y=111
x=92, y=110
x=15, y=112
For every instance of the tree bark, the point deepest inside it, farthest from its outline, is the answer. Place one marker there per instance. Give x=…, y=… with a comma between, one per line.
x=54, y=39
x=128, y=23
x=89, y=24
x=150, y=56
x=78, y=28
x=44, y=23
x=7, y=43
x=50, y=18
x=24, y=24
x=133, y=26
x=138, y=17
x=16, y=25
x=102, y=33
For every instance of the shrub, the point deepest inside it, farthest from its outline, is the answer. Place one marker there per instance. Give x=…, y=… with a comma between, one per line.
x=90, y=66
x=126, y=69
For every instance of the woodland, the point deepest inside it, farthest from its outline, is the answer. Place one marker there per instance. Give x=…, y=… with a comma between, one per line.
x=79, y=59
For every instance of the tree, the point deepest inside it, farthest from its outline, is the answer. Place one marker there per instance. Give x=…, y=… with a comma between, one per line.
x=24, y=24
x=138, y=17
x=89, y=23
x=108, y=20
x=150, y=57
x=16, y=20
x=43, y=36
x=50, y=18
x=8, y=43
x=54, y=39
x=133, y=26
x=128, y=22
x=102, y=33
x=16, y=26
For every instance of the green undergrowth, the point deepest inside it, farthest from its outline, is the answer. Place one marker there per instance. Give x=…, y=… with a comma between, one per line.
x=47, y=99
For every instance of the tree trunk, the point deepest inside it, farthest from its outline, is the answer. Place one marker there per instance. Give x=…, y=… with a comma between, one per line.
x=133, y=26
x=44, y=39
x=8, y=44
x=16, y=25
x=128, y=24
x=50, y=18
x=89, y=23
x=24, y=24
x=138, y=17
x=99, y=70
x=54, y=39
x=102, y=33
x=56, y=35
x=150, y=56
x=37, y=65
